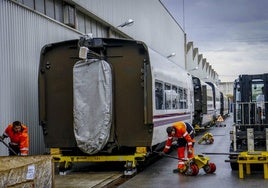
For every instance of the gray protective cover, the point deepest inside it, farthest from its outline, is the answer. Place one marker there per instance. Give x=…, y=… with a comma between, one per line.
x=92, y=84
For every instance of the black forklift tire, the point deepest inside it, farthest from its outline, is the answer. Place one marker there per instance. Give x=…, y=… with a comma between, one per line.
x=234, y=166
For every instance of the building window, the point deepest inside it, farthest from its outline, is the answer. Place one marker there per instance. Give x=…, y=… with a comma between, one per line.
x=69, y=15
x=81, y=24
x=59, y=11
x=29, y=3
x=40, y=6
x=88, y=25
x=50, y=10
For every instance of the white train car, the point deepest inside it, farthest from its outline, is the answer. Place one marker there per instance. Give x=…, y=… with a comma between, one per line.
x=225, y=103
x=173, y=95
x=203, y=104
x=216, y=100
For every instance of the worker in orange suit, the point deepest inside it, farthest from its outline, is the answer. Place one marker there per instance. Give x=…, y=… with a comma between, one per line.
x=184, y=133
x=19, y=138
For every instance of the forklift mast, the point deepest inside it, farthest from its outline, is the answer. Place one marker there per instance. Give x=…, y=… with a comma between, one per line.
x=247, y=88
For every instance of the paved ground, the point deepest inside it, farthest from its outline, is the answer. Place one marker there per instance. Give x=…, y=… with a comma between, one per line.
x=85, y=179
x=160, y=174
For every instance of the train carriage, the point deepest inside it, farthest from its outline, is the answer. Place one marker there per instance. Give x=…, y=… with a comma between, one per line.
x=203, y=104
x=216, y=100
x=173, y=95
x=225, y=103
x=112, y=104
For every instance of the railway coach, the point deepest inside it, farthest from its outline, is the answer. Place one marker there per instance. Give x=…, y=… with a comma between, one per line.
x=104, y=99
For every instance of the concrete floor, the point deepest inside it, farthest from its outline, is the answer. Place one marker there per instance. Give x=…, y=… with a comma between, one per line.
x=160, y=175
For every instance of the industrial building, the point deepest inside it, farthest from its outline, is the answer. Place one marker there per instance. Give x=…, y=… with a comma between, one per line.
x=27, y=25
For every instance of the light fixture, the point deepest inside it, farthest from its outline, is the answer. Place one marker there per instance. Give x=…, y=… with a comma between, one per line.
x=196, y=68
x=129, y=22
x=171, y=55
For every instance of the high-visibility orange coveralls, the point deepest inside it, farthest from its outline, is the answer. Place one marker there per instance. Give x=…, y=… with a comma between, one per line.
x=19, y=141
x=184, y=132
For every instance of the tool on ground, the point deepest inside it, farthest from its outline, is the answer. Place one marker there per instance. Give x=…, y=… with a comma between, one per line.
x=194, y=164
x=166, y=155
x=213, y=153
x=8, y=147
x=207, y=138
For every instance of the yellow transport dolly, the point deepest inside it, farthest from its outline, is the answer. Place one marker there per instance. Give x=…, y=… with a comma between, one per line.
x=193, y=165
x=199, y=161
x=207, y=138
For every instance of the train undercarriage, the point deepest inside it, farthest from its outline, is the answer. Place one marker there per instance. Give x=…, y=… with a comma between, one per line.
x=131, y=161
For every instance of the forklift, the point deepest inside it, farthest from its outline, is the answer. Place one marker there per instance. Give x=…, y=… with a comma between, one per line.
x=249, y=135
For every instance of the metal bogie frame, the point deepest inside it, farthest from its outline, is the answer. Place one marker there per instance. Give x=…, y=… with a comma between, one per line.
x=66, y=161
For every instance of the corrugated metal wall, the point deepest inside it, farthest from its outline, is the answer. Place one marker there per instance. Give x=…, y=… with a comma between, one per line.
x=22, y=34
x=152, y=23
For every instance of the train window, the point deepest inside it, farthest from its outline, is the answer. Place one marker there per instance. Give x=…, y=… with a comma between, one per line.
x=183, y=102
x=185, y=99
x=209, y=98
x=159, y=99
x=168, y=96
x=175, y=97
x=180, y=98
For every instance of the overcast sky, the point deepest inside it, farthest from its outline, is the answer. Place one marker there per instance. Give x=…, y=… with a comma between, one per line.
x=231, y=34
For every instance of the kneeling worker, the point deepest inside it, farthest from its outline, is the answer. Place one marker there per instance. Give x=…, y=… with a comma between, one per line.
x=184, y=132
x=19, y=138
